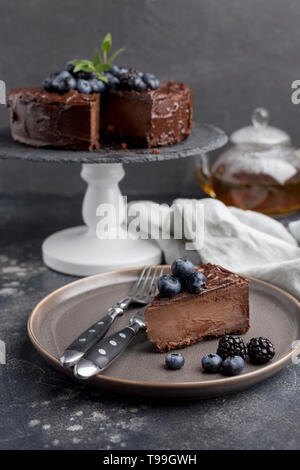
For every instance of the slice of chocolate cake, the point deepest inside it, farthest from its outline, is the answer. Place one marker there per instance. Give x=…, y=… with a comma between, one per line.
x=222, y=307
x=149, y=118
x=42, y=119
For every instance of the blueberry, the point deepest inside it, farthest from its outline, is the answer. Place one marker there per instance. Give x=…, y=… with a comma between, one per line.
x=138, y=84
x=86, y=75
x=211, y=363
x=132, y=81
x=174, y=361
x=98, y=86
x=108, y=75
x=196, y=282
x=153, y=84
x=68, y=79
x=70, y=67
x=151, y=81
x=60, y=82
x=168, y=285
x=47, y=83
x=60, y=86
x=232, y=365
x=71, y=82
x=182, y=268
x=113, y=82
x=63, y=75
x=149, y=76
x=117, y=71
x=83, y=86
x=114, y=69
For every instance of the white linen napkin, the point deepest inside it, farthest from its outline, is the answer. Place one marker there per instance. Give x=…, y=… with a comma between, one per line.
x=245, y=242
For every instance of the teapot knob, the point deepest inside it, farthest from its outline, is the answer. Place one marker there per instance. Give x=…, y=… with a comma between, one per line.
x=260, y=117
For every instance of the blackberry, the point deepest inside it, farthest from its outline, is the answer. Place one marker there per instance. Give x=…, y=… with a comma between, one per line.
x=260, y=350
x=232, y=346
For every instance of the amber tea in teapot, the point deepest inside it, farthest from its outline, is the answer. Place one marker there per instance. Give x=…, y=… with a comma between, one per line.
x=260, y=171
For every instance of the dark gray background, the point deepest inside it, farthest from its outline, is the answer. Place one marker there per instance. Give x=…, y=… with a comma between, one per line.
x=235, y=54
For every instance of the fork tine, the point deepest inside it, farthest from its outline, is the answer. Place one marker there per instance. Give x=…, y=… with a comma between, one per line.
x=149, y=293
x=160, y=274
x=140, y=290
x=146, y=282
x=144, y=292
x=136, y=284
x=154, y=282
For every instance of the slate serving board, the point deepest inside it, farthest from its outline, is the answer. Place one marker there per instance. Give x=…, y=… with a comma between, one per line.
x=204, y=138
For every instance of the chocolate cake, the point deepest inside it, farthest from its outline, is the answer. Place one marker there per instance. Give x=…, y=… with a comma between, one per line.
x=42, y=119
x=71, y=120
x=136, y=110
x=222, y=307
x=148, y=119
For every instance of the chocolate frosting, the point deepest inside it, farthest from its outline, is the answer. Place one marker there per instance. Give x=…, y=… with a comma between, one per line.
x=43, y=119
x=216, y=278
x=149, y=119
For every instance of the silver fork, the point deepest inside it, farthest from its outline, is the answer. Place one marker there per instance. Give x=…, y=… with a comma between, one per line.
x=105, y=351
x=141, y=293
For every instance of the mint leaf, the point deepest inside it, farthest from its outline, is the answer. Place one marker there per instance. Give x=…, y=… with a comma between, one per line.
x=106, y=43
x=97, y=65
x=84, y=66
x=97, y=58
x=103, y=78
x=102, y=68
x=115, y=55
x=81, y=61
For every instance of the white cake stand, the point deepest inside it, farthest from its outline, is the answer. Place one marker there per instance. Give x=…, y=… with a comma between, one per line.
x=79, y=251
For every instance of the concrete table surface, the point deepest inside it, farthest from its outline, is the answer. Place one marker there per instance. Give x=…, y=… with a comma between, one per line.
x=42, y=409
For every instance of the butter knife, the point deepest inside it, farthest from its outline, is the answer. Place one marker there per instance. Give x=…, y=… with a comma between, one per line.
x=102, y=354
x=141, y=293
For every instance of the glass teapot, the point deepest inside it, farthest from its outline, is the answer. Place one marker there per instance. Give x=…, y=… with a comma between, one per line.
x=259, y=171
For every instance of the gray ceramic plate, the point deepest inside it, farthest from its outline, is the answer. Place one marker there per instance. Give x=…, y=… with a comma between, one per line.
x=62, y=315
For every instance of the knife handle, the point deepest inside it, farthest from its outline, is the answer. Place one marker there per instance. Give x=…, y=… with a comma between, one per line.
x=94, y=333
x=105, y=351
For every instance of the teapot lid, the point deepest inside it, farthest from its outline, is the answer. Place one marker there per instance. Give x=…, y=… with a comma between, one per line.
x=260, y=132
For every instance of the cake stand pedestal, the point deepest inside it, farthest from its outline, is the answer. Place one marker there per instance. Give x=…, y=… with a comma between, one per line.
x=83, y=250
x=88, y=249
